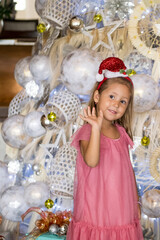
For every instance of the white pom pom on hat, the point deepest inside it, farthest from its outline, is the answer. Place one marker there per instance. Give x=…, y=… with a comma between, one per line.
x=99, y=77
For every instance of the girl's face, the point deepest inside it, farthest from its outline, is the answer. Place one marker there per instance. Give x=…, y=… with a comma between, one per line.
x=113, y=101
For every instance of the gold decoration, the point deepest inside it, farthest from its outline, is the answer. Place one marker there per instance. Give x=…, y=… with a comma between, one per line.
x=49, y=203
x=41, y=27
x=145, y=141
x=133, y=72
x=52, y=116
x=98, y=18
x=76, y=24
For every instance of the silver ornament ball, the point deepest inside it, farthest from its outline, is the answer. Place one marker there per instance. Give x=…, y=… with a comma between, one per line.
x=36, y=167
x=46, y=123
x=53, y=229
x=63, y=229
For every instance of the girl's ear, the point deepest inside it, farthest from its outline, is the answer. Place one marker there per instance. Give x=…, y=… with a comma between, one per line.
x=96, y=96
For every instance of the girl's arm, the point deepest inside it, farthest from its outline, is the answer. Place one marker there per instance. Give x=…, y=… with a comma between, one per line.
x=90, y=149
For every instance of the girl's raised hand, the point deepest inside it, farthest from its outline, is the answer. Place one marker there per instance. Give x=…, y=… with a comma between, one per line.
x=91, y=117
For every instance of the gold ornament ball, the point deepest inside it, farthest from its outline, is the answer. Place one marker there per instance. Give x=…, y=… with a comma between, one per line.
x=52, y=116
x=75, y=24
x=98, y=18
x=41, y=27
x=49, y=203
x=145, y=141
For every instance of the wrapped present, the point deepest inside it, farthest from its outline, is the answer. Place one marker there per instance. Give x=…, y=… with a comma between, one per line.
x=47, y=236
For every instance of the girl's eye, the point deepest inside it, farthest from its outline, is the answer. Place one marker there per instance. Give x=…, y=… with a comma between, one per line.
x=111, y=96
x=123, y=101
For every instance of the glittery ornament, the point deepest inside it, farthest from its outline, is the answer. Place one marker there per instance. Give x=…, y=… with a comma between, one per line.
x=41, y=224
x=63, y=229
x=41, y=27
x=98, y=18
x=14, y=166
x=75, y=24
x=145, y=141
x=53, y=229
x=49, y=203
x=52, y=116
x=32, y=89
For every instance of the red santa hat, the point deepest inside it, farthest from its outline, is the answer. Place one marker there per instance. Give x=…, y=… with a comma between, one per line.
x=111, y=67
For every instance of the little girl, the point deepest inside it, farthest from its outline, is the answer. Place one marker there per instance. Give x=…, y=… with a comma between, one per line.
x=105, y=194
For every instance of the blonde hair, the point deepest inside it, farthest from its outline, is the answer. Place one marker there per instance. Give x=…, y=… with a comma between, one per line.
x=126, y=119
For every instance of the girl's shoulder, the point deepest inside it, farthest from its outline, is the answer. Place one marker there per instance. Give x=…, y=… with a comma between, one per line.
x=83, y=133
x=124, y=135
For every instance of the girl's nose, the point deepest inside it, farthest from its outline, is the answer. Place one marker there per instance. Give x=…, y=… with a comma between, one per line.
x=116, y=104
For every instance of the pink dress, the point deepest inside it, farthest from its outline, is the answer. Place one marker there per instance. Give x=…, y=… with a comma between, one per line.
x=105, y=199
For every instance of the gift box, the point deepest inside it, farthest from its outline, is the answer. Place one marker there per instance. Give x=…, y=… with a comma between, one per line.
x=48, y=235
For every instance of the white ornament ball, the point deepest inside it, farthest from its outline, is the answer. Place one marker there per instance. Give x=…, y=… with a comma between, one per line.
x=151, y=203
x=36, y=194
x=79, y=69
x=32, y=124
x=12, y=204
x=40, y=67
x=7, y=180
x=146, y=92
x=22, y=72
x=13, y=132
